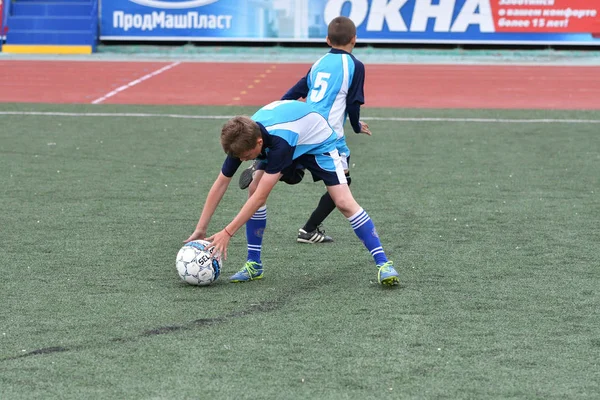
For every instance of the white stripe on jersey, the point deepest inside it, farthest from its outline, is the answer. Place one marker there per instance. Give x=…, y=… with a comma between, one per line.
x=313, y=126
x=337, y=113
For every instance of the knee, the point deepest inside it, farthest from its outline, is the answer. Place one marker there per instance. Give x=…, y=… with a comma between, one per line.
x=346, y=206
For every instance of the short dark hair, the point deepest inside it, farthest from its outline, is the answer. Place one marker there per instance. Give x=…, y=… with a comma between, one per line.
x=239, y=135
x=340, y=31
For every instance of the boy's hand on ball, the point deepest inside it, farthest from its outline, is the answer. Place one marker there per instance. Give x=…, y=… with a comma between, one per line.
x=220, y=241
x=197, y=235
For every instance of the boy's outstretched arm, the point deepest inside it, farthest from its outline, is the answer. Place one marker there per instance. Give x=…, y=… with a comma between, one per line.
x=220, y=240
x=298, y=91
x=213, y=199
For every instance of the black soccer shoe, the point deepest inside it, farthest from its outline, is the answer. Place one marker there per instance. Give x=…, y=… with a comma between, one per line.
x=247, y=175
x=316, y=236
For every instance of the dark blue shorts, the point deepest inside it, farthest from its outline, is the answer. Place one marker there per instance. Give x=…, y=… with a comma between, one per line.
x=327, y=167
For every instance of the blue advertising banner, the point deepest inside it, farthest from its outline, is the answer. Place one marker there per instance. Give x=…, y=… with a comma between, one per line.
x=569, y=22
x=1, y=23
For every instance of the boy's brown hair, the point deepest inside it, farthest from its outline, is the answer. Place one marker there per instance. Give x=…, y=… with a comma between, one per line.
x=340, y=31
x=239, y=135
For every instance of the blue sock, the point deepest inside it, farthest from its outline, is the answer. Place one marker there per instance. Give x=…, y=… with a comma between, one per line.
x=255, y=227
x=365, y=230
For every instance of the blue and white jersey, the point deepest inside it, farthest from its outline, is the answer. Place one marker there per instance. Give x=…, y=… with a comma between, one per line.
x=289, y=130
x=329, y=80
x=334, y=86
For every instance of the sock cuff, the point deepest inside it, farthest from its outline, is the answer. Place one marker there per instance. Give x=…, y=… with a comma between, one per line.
x=359, y=219
x=358, y=213
x=261, y=213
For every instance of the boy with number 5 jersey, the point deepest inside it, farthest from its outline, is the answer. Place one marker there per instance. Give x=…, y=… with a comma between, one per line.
x=334, y=87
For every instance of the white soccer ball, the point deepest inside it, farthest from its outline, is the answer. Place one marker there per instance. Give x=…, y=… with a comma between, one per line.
x=196, y=264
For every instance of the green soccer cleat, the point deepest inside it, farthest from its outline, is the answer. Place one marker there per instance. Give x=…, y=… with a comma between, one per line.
x=250, y=272
x=387, y=275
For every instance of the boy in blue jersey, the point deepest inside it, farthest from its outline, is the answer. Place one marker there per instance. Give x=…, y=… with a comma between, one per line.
x=281, y=136
x=334, y=86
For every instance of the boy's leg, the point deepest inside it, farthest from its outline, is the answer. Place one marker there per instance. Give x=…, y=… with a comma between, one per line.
x=365, y=230
x=311, y=232
x=328, y=167
x=255, y=228
x=292, y=176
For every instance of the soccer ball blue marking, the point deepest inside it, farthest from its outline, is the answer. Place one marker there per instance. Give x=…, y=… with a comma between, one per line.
x=200, y=245
x=217, y=268
x=196, y=265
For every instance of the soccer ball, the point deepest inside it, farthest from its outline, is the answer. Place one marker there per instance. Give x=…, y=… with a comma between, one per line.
x=196, y=264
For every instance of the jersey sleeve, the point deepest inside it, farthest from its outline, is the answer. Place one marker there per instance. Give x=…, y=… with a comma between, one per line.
x=356, y=95
x=230, y=166
x=299, y=90
x=280, y=155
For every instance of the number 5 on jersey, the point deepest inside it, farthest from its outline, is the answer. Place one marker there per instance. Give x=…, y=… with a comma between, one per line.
x=320, y=87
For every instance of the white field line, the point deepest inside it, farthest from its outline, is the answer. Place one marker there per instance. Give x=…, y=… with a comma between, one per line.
x=135, y=82
x=225, y=117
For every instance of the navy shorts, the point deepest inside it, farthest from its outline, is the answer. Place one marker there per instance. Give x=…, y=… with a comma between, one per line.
x=327, y=167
